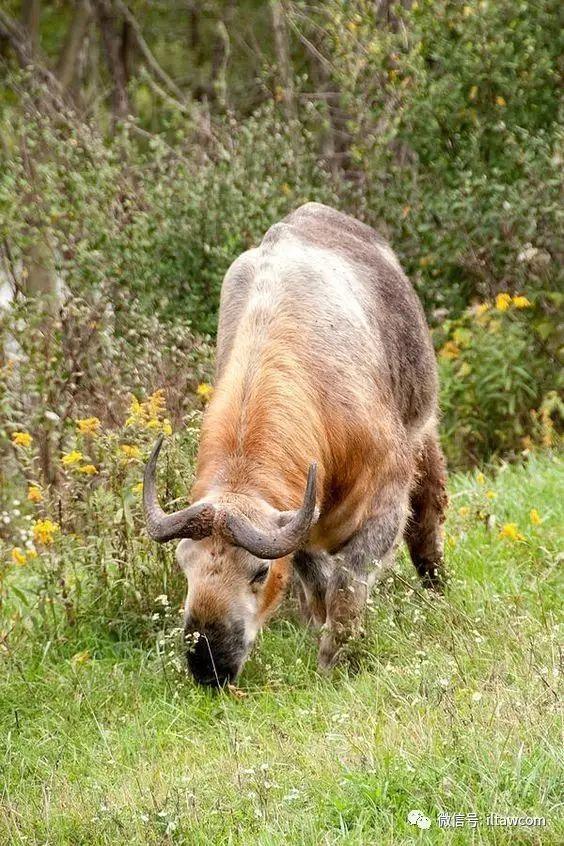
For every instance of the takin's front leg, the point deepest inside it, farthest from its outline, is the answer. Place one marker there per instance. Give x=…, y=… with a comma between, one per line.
x=356, y=567
x=313, y=570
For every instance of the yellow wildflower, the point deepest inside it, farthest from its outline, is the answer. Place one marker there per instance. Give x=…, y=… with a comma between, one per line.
x=167, y=428
x=88, y=425
x=18, y=557
x=535, y=517
x=463, y=510
x=462, y=337
x=70, y=458
x=511, y=532
x=156, y=403
x=31, y=553
x=130, y=450
x=503, y=301
x=286, y=189
x=521, y=302
x=34, y=493
x=481, y=308
x=22, y=439
x=500, y=101
x=136, y=412
x=44, y=530
x=204, y=390
x=491, y=494
x=88, y=469
x=147, y=413
x=480, y=478
x=137, y=489
x=81, y=657
x=450, y=351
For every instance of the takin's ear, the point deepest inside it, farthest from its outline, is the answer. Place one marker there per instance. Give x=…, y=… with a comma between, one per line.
x=184, y=553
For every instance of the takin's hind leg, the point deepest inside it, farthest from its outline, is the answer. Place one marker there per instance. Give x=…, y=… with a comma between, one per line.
x=356, y=567
x=428, y=502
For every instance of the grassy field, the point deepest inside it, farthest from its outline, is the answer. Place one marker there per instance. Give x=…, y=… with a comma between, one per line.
x=447, y=705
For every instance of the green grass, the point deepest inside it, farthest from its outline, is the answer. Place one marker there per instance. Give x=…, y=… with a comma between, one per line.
x=447, y=705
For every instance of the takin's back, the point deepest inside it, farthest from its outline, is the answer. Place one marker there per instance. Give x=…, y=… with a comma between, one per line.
x=330, y=289
x=323, y=355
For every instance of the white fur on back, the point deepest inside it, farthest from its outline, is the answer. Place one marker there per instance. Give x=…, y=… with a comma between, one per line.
x=291, y=267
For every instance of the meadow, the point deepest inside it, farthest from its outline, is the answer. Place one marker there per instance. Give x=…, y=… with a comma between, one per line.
x=446, y=705
x=143, y=147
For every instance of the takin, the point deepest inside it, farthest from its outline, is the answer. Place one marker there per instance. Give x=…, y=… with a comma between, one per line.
x=319, y=449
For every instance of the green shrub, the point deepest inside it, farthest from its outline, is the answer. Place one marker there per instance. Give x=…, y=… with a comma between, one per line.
x=445, y=135
x=80, y=537
x=498, y=382
x=455, y=138
x=154, y=226
x=81, y=404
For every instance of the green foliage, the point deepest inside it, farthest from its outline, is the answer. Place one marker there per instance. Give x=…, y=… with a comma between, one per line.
x=83, y=395
x=156, y=226
x=454, y=129
x=498, y=379
x=75, y=550
x=438, y=124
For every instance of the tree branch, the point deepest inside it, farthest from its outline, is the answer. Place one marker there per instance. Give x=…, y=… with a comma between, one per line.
x=31, y=13
x=112, y=48
x=282, y=47
x=28, y=59
x=78, y=27
x=146, y=51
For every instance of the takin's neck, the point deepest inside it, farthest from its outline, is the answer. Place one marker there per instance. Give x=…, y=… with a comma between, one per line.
x=261, y=431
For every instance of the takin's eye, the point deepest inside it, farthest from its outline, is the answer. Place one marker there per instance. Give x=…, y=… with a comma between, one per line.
x=260, y=575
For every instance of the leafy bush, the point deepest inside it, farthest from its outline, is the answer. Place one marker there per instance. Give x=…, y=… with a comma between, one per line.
x=444, y=131
x=80, y=538
x=153, y=225
x=454, y=138
x=498, y=381
x=82, y=395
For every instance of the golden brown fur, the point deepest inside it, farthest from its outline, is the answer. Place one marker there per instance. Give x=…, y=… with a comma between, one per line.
x=323, y=355
x=280, y=402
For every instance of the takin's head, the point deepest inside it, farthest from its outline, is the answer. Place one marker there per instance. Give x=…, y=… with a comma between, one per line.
x=230, y=560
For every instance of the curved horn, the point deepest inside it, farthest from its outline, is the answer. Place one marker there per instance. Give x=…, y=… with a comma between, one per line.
x=193, y=522
x=238, y=529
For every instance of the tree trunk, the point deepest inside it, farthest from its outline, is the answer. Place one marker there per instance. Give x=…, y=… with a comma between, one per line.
x=282, y=48
x=111, y=31
x=31, y=13
x=68, y=60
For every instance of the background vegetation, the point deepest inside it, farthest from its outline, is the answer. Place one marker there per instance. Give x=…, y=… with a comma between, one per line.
x=144, y=145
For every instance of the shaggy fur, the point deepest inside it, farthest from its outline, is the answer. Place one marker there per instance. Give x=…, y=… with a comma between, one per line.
x=324, y=355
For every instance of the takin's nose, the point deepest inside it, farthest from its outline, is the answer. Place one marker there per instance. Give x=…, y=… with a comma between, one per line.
x=215, y=651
